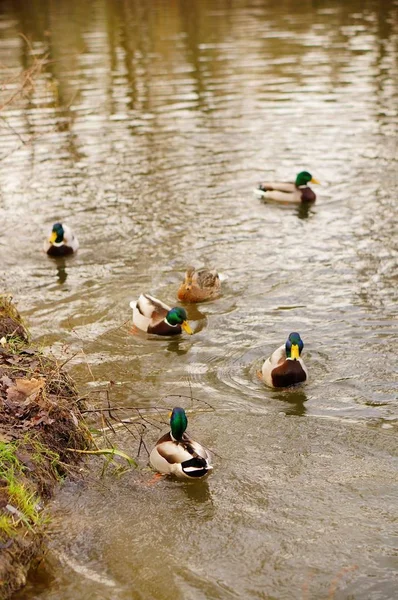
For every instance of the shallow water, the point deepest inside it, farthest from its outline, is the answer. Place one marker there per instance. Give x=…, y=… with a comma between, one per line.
x=147, y=133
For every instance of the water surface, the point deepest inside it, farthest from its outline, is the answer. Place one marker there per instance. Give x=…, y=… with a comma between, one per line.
x=147, y=132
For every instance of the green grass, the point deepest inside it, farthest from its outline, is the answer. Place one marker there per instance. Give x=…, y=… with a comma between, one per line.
x=8, y=458
x=7, y=527
x=15, y=345
x=44, y=457
x=24, y=503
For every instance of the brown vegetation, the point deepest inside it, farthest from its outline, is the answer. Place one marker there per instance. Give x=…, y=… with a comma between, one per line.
x=39, y=421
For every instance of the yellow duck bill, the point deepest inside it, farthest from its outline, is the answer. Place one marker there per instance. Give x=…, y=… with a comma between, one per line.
x=186, y=327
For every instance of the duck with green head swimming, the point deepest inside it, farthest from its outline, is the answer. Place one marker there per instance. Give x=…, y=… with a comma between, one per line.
x=175, y=453
x=153, y=316
x=285, y=367
x=288, y=192
x=61, y=241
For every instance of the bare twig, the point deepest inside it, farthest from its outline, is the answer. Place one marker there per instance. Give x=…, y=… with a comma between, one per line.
x=14, y=131
x=23, y=83
x=190, y=398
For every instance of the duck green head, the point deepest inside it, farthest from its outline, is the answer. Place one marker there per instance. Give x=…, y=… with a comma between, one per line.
x=294, y=346
x=178, y=422
x=57, y=234
x=304, y=177
x=178, y=316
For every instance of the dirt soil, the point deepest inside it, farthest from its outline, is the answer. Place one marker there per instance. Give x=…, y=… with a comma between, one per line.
x=40, y=421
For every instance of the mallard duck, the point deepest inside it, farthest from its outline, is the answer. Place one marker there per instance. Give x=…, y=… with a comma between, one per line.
x=153, y=316
x=199, y=285
x=285, y=367
x=176, y=454
x=62, y=241
x=290, y=193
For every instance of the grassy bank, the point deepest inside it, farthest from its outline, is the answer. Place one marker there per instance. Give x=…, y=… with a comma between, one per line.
x=40, y=421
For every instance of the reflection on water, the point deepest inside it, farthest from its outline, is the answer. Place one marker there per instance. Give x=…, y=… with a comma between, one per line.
x=177, y=347
x=199, y=492
x=294, y=399
x=147, y=131
x=304, y=211
x=61, y=270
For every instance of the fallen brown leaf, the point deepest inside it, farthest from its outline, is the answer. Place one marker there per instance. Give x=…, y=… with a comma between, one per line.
x=29, y=386
x=6, y=381
x=25, y=391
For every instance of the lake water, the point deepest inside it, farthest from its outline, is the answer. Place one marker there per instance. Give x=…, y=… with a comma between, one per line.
x=147, y=131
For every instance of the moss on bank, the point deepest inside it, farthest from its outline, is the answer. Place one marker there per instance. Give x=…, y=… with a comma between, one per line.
x=39, y=420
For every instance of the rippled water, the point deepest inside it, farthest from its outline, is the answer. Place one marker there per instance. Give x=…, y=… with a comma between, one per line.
x=147, y=132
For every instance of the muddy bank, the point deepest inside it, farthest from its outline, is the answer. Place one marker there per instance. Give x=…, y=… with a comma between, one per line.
x=40, y=421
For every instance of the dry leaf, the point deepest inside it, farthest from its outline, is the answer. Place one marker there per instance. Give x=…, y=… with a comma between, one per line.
x=29, y=386
x=6, y=381
x=14, y=396
x=42, y=417
x=25, y=390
